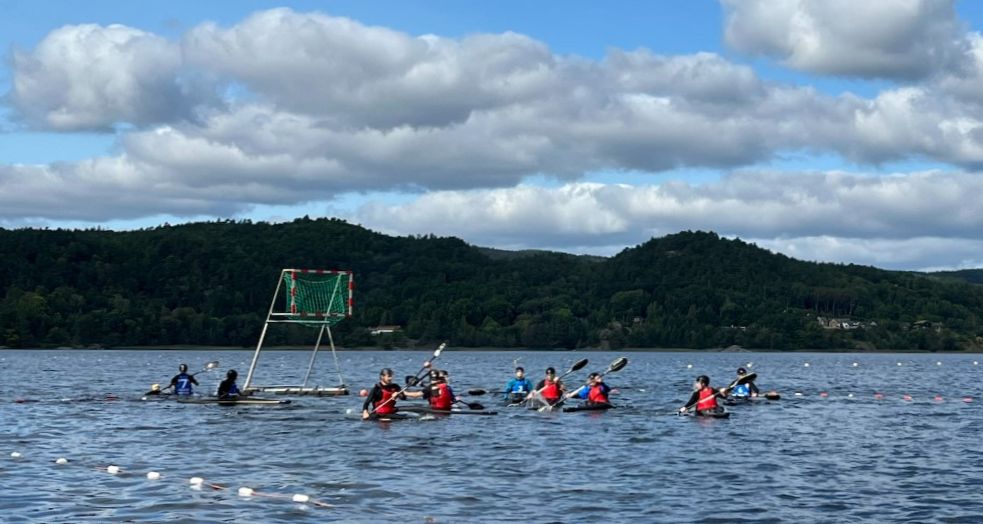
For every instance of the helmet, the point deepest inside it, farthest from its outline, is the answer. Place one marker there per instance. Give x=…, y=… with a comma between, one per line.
x=385, y=372
x=550, y=371
x=520, y=368
x=435, y=375
x=703, y=379
x=232, y=374
x=183, y=368
x=741, y=371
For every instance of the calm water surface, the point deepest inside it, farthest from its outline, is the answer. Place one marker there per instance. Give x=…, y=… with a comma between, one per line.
x=846, y=456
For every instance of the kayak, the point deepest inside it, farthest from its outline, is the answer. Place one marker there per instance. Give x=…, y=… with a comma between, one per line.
x=588, y=407
x=712, y=414
x=247, y=401
x=431, y=411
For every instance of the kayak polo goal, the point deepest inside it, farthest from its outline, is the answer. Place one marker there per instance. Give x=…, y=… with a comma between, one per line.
x=317, y=298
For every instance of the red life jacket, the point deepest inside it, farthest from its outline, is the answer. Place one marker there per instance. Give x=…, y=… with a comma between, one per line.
x=550, y=391
x=597, y=395
x=384, y=406
x=441, y=397
x=708, y=399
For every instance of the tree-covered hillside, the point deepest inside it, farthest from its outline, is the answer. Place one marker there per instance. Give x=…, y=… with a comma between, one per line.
x=211, y=283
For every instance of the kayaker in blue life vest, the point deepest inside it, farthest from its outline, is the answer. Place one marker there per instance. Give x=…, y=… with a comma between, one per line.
x=182, y=381
x=517, y=388
x=227, y=389
x=746, y=390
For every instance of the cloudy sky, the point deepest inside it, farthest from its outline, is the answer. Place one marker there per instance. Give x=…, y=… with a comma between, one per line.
x=828, y=130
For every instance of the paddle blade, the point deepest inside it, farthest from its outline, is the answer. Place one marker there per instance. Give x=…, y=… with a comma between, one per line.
x=477, y=392
x=411, y=380
x=440, y=349
x=211, y=365
x=474, y=405
x=772, y=395
x=743, y=379
x=617, y=365
x=578, y=365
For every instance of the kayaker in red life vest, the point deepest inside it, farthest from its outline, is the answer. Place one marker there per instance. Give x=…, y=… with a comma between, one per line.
x=383, y=396
x=549, y=389
x=439, y=394
x=704, y=397
x=596, y=391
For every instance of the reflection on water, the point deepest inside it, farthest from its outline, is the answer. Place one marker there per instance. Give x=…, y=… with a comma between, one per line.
x=840, y=457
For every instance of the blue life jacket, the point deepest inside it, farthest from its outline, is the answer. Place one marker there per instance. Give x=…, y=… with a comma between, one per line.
x=742, y=390
x=183, y=385
x=233, y=389
x=517, y=386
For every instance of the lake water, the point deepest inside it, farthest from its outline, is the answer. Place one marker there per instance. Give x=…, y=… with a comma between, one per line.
x=851, y=448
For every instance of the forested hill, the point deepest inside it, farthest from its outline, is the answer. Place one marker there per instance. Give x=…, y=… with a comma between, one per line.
x=211, y=284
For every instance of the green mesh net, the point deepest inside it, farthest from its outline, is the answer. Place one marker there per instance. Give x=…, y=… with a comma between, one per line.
x=316, y=297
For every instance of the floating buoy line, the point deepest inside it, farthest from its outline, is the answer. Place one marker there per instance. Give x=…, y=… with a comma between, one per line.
x=195, y=483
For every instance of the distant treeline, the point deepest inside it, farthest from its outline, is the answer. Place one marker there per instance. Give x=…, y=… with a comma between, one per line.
x=211, y=284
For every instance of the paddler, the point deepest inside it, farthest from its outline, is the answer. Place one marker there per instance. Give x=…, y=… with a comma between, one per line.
x=227, y=389
x=182, y=381
x=381, y=400
x=439, y=393
x=704, y=397
x=519, y=387
x=596, y=391
x=549, y=389
x=745, y=390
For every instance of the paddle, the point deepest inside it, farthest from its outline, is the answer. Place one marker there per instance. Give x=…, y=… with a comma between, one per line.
x=470, y=405
x=743, y=379
x=211, y=365
x=617, y=365
x=577, y=366
x=415, y=378
x=477, y=392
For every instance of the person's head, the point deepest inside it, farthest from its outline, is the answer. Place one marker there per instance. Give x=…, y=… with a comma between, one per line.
x=445, y=375
x=385, y=375
x=183, y=368
x=435, y=377
x=702, y=381
x=550, y=373
x=520, y=372
x=594, y=378
x=741, y=371
x=232, y=375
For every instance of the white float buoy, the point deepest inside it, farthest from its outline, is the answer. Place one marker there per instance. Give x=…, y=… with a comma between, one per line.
x=196, y=481
x=939, y=363
x=976, y=362
x=855, y=364
x=749, y=364
x=689, y=366
x=245, y=492
x=850, y=395
x=112, y=470
x=899, y=363
x=300, y=497
x=15, y=454
x=806, y=364
x=153, y=475
x=798, y=394
x=61, y=460
x=348, y=411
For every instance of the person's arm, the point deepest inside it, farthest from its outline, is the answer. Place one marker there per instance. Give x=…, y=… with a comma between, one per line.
x=174, y=380
x=373, y=396
x=582, y=393
x=753, y=388
x=509, y=388
x=691, y=402
x=192, y=378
